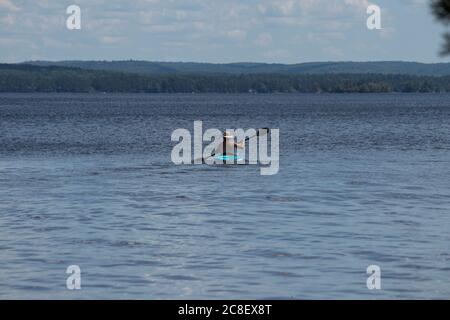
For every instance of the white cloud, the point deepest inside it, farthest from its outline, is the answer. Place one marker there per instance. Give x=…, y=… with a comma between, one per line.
x=387, y=33
x=263, y=40
x=8, y=20
x=110, y=40
x=204, y=29
x=236, y=34
x=358, y=3
x=8, y=5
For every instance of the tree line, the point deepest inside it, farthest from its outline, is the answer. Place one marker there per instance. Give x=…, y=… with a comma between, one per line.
x=26, y=78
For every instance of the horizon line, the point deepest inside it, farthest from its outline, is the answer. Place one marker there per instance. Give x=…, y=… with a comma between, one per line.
x=227, y=63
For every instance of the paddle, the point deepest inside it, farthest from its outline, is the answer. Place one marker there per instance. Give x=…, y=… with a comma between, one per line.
x=259, y=133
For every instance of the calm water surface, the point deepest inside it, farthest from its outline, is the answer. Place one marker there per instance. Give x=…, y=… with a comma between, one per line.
x=87, y=180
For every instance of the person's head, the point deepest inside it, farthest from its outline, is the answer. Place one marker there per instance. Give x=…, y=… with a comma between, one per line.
x=228, y=136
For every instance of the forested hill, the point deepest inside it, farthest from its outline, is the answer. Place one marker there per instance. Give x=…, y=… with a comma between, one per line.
x=32, y=78
x=147, y=67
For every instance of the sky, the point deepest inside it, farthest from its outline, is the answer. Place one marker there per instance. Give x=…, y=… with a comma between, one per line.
x=219, y=31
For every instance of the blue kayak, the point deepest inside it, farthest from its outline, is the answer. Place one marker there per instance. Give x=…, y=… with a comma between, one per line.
x=227, y=157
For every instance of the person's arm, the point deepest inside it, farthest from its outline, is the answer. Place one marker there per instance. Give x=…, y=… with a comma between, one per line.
x=240, y=145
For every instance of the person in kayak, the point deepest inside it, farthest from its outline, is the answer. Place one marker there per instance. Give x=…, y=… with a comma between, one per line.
x=229, y=146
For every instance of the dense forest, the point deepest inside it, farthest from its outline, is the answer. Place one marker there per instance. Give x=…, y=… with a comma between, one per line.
x=152, y=67
x=28, y=78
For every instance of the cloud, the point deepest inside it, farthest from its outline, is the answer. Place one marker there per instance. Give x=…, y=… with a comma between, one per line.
x=334, y=52
x=8, y=20
x=263, y=40
x=8, y=5
x=387, y=33
x=110, y=40
x=199, y=19
x=421, y=2
x=284, y=30
x=358, y=3
x=277, y=54
x=236, y=34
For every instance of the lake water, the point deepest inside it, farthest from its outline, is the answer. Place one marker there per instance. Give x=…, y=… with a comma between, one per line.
x=87, y=180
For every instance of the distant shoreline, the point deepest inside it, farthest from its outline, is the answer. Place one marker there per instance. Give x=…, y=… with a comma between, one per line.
x=325, y=67
x=33, y=78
